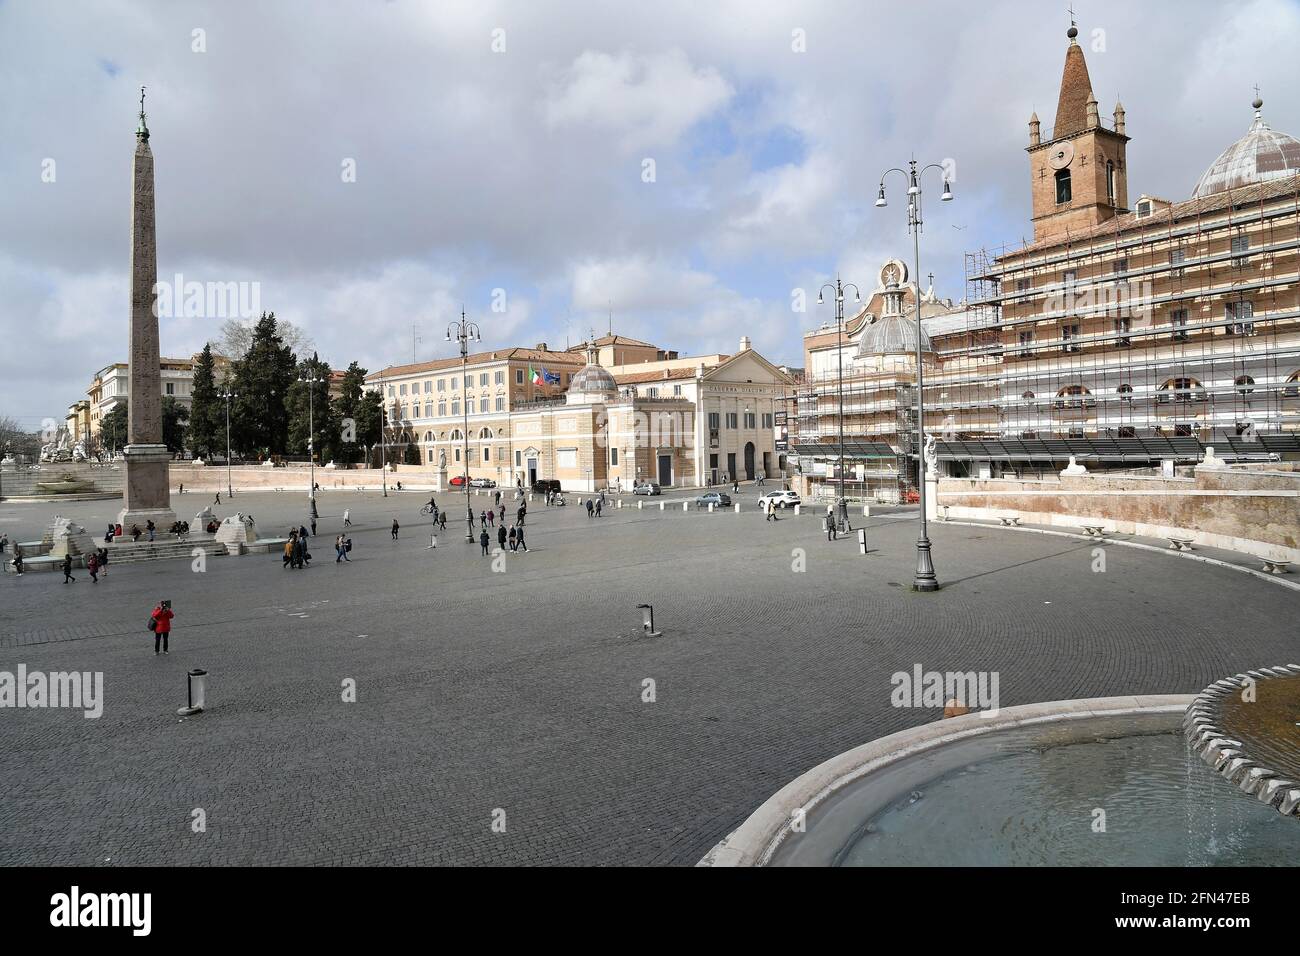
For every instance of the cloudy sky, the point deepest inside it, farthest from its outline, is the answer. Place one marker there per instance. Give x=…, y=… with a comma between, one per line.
x=504, y=146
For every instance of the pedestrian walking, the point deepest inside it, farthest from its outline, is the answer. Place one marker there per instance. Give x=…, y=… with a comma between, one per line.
x=395, y=529
x=598, y=504
x=347, y=517
x=288, y=549
x=830, y=525
x=735, y=486
x=442, y=521
x=103, y=561
x=92, y=565
x=501, y=535
x=470, y=512
x=67, y=569
x=496, y=498
x=591, y=508
x=484, y=541
x=313, y=526
x=218, y=501
x=182, y=488
x=483, y=518
x=519, y=537
x=302, y=531
x=160, y=622
x=521, y=514
x=492, y=518
x=514, y=539
x=341, y=550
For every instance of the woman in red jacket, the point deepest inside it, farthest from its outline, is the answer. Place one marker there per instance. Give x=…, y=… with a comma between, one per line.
x=162, y=617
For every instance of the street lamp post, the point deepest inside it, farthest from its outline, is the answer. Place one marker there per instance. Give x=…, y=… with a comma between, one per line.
x=842, y=506
x=926, y=579
x=464, y=332
x=228, y=395
x=310, y=379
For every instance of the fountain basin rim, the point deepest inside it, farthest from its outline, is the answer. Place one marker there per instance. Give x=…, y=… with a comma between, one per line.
x=756, y=840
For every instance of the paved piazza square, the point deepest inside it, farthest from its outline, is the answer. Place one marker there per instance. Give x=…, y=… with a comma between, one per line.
x=524, y=690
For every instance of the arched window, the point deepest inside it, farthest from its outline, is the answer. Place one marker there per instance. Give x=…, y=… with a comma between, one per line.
x=428, y=436
x=484, y=433
x=1125, y=392
x=1292, y=387
x=1182, y=389
x=456, y=434
x=1026, y=394
x=1245, y=384
x=1063, y=194
x=1074, y=396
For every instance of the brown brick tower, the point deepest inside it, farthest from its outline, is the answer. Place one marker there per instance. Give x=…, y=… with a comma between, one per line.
x=147, y=495
x=1080, y=174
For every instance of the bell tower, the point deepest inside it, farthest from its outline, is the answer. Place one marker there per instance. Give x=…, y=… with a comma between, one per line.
x=1080, y=171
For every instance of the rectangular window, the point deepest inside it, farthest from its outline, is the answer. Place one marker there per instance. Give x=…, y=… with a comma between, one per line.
x=1183, y=431
x=1069, y=338
x=751, y=419
x=1239, y=315
x=442, y=385
x=1119, y=265
x=1022, y=285
x=501, y=453
x=501, y=403
x=391, y=391
x=499, y=378
x=1176, y=259
x=469, y=406
x=519, y=376
x=677, y=389
x=483, y=378
x=458, y=453
x=1178, y=319
x=767, y=416
x=1069, y=277
x=455, y=384
x=442, y=409
x=1122, y=328
x=487, y=454
x=652, y=393
x=455, y=408
x=403, y=390
x=1075, y=431
x=171, y=389
x=428, y=386
x=519, y=459
x=1026, y=343
x=715, y=418
x=1240, y=246
x=428, y=409
x=613, y=456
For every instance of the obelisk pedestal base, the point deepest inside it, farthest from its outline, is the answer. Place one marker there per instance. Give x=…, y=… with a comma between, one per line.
x=147, y=495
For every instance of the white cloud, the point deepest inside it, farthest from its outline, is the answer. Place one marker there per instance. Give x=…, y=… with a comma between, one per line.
x=642, y=100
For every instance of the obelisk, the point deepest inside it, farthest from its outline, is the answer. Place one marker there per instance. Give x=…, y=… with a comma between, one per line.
x=147, y=496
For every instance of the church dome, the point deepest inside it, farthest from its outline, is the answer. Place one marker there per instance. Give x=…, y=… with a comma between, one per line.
x=893, y=333
x=593, y=378
x=1260, y=155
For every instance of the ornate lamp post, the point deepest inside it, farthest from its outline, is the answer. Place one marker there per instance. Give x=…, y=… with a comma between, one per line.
x=926, y=580
x=310, y=379
x=228, y=395
x=842, y=505
x=465, y=332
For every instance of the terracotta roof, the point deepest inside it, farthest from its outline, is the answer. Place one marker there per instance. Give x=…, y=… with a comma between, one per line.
x=1188, y=209
x=612, y=340
x=1076, y=89
x=479, y=358
x=636, y=378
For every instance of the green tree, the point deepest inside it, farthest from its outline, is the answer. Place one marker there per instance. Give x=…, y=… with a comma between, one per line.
x=310, y=408
x=412, y=456
x=112, y=428
x=207, y=429
x=368, y=419
x=348, y=409
x=262, y=379
x=174, y=417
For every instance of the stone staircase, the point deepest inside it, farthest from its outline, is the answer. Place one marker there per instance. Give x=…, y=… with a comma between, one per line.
x=133, y=552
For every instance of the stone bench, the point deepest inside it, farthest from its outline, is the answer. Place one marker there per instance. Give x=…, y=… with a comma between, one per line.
x=1276, y=565
x=1009, y=521
x=265, y=545
x=1094, y=530
x=1179, y=544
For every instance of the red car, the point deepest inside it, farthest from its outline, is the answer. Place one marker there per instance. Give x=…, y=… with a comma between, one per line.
x=912, y=496
x=457, y=482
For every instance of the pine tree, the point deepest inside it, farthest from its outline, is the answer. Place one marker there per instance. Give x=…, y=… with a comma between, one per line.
x=348, y=409
x=207, y=428
x=174, y=417
x=263, y=377
x=311, y=415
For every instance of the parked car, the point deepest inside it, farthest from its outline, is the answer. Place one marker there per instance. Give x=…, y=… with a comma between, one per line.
x=457, y=482
x=712, y=498
x=647, y=488
x=482, y=483
x=542, y=485
x=782, y=499
x=912, y=496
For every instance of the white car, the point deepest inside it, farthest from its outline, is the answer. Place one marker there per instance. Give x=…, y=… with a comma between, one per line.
x=782, y=499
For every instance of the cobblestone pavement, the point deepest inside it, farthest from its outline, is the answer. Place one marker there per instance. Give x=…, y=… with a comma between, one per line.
x=522, y=690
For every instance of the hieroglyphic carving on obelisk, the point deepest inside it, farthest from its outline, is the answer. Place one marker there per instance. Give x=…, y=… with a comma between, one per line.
x=147, y=495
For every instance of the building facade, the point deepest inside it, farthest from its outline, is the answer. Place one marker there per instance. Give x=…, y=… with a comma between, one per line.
x=518, y=415
x=1128, y=333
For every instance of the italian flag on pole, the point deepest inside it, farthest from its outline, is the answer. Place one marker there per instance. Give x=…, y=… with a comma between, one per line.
x=535, y=376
